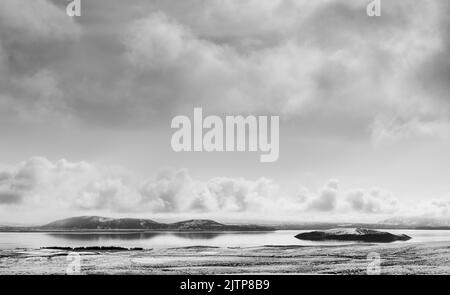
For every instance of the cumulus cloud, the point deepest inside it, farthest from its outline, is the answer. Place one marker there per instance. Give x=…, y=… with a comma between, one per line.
x=373, y=201
x=172, y=191
x=327, y=199
x=40, y=182
x=62, y=184
x=44, y=185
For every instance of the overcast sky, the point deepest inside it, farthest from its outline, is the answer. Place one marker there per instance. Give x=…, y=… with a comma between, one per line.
x=86, y=105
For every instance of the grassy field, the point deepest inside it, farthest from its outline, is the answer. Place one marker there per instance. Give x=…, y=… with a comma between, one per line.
x=397, y=258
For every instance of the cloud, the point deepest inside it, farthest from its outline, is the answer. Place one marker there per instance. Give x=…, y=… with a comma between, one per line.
x=331, y=198
x=9, y=197
x=387, y=129
x=62, y=184
x=296, y=66
x=41, y=185
x=32, y=21
x=110, y=193
x=243, y=195
x=306, y=60
x=218, y=76
x=38, y=182
x=327, y=199
x=437, y=207
x=159, y=43
x=170, y=192
x=33, y=36
x=373, y=201
x=239, y=22
x=176, y=191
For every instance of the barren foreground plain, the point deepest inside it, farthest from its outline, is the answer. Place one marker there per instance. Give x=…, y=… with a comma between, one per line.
x=396, y=258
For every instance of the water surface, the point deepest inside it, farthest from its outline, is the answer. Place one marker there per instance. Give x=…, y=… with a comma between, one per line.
x=184, y=239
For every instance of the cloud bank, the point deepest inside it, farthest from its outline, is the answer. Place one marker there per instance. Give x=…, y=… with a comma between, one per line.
x=305, y=60
x=44, y=185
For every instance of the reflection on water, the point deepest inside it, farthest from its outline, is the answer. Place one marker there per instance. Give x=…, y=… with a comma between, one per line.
x=132, y=236
x=104, y=236
x=197, y=235
x=149, y=240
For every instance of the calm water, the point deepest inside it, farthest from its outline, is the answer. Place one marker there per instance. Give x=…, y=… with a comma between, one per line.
x=183, y=239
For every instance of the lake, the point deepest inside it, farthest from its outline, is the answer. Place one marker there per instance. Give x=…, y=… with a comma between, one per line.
x=147, y=240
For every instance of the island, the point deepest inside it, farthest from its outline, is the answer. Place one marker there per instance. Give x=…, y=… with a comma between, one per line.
x=352, y=234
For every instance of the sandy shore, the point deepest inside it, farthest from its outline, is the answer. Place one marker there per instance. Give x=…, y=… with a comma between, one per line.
x=398, y=258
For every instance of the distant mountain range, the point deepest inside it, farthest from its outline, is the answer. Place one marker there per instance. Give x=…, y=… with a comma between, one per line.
x=99, y=223
x=391, y=223
x=422, y=222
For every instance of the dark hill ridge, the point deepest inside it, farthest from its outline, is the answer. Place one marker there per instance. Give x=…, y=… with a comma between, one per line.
x=104, y=223
x=98, y=222
x=205, y=224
